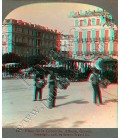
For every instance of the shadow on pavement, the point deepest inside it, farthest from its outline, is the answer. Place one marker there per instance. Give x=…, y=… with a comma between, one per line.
x=74, y=102
x=62, y=97
x=111, y=100
x=59, y=97
x=56, y=123
x=77, y=123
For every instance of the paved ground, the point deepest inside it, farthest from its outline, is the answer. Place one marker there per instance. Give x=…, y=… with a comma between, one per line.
x=74, y=107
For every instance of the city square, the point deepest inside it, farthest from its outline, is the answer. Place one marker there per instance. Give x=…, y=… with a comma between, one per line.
x=74, y=107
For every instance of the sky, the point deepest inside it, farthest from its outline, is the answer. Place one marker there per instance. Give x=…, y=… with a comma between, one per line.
x=51, y=15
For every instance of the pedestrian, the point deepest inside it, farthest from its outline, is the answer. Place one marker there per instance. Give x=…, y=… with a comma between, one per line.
x=52, y=93
x=95, y=80
x=82, y=68
x=39, y=79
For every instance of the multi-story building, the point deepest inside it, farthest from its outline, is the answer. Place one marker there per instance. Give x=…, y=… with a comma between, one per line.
x=26, y=39
x=66, y=44
x=94, y=32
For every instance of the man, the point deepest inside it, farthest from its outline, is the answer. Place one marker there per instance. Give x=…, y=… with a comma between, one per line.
x=94, y=80
x=52, y=89
x=37, y=87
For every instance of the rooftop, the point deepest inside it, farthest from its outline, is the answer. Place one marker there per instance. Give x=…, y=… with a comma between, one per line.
x=89, y=13
x=23, y=23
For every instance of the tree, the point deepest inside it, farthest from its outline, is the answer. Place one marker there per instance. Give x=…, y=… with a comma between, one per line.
x=37, y=59
x=10, y=58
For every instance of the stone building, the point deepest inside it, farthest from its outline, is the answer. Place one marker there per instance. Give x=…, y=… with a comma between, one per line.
x=26, y=39
x=94, y=32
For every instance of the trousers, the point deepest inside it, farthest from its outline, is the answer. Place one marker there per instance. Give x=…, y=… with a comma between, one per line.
x=96, y=93
x=37, y=93
x=52, y=96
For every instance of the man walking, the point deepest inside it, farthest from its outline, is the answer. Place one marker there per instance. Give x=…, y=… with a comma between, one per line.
x=94, y=80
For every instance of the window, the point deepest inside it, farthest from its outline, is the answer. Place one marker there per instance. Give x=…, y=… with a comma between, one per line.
x=39, y=42
x=97, y=35
x=81, y=22
x=80, y=47
x=88, y=34
x=80, y=35
x=32, y=33
x=88, y=47
x=98, y=22
x=19, y=29
x=19, y=39
x=14, y=49
x=14, y=38
x=38, y=34
x=89, y=22
x=26, y=31
x=106, y=33
x=115, y=48
x=106, y=48
x=30, y=42
x=14, y=28
x=97, y=48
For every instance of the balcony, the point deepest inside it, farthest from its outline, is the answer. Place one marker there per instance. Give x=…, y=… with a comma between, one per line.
x=88, y=40
x=97, y=39
x=80, y=40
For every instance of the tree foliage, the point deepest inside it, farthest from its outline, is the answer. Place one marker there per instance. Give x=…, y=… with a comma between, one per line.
x=10, y=58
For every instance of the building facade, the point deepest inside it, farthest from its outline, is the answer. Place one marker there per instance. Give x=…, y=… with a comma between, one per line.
x=26, y=39
x=94, y=32
x=66, y=44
